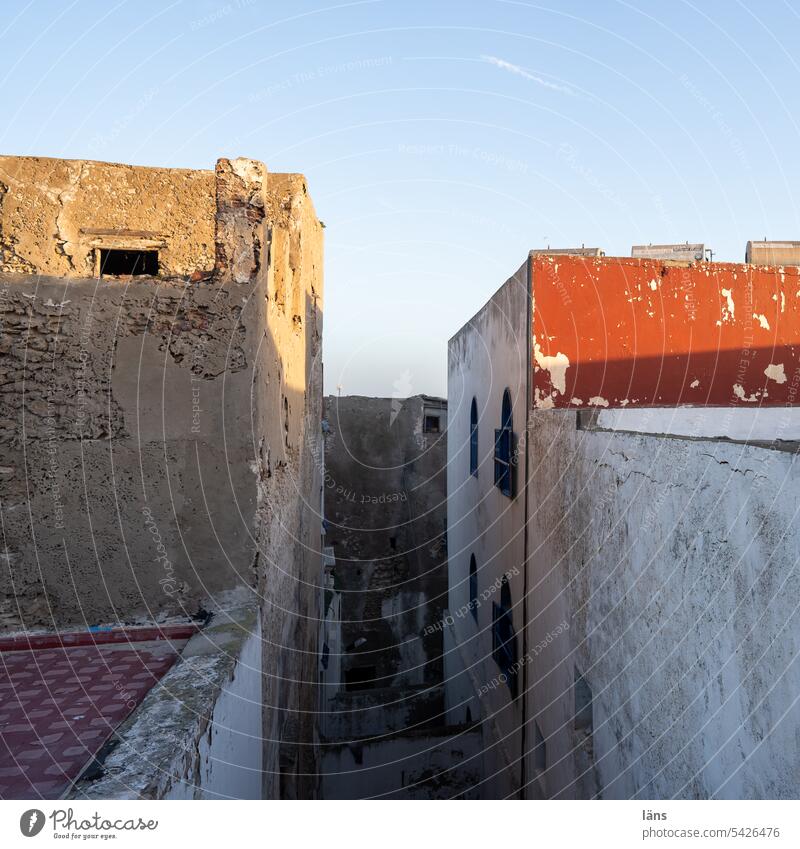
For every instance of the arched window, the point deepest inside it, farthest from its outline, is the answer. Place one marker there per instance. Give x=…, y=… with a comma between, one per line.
x=503, y=449
x=506, y=419
x=504, y=639
x=473, y=438
x=473, y=587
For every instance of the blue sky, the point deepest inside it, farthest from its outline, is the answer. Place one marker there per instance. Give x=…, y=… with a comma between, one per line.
x=441, y=141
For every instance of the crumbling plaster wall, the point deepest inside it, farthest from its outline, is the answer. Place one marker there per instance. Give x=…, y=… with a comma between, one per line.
x=125, y=448
x=156, y=444
x=51, y=210
x=675, y=563
x=385, y=502
x=155, y=412
x=289, y=469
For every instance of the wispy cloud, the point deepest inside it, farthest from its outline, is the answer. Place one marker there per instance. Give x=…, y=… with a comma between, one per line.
x=515, y=69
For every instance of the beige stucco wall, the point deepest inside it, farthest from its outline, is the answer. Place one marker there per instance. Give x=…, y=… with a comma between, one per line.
x=157, y=435
x=48, y=208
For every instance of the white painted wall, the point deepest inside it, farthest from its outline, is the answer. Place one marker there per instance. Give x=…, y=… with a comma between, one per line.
x=675, y=563
x=762, y=425
x=489, y=354
x=229, y=754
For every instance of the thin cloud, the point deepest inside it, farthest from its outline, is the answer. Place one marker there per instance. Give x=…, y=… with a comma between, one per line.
x=515, y=69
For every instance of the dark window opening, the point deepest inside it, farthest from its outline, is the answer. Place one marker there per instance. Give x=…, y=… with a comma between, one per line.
x=432, y=424
x=504, y=639
x=504, y=459
x=584, y=718
x=473, y=587
x=473, y=438
x=539, y=749
x=359, y=678
x=393, y=542
x=119, y=263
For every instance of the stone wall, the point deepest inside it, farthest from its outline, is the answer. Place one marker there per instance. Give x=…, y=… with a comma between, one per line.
x=384, y=491
x=156, y=434
x=55, y=212
x=385, y=504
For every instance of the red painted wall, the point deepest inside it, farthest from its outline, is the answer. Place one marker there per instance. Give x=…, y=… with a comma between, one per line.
x=621, y=332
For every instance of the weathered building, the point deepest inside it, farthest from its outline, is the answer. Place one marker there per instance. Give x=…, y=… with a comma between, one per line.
x=383, y=731
x=622, y=579
x=161, y=337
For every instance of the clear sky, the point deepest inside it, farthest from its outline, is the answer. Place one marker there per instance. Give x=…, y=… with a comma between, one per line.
x=441, y=140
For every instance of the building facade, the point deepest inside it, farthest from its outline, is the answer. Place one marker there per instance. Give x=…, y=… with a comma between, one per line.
x=161, y=333
x=383, y=729
x=621, y=575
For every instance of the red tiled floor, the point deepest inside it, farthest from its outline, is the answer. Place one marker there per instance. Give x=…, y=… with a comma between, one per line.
x=58, y=706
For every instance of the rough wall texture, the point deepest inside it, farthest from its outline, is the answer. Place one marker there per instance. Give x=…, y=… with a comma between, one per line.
x=154, y=432
x=289, y=470
x=125, y=446
x=55, y=212
x=614, y=332
x=486, y=357
x=422, y=766
x=385, y=504
x=676, y=564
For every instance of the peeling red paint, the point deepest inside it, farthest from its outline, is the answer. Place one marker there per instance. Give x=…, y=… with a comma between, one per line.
x=618, y=332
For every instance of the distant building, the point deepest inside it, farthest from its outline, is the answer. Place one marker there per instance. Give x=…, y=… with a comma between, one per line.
x=773, y=253
x=683, y=253
x=568, y=252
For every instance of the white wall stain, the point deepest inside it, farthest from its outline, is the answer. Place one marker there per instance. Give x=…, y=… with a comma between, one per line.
x=730, y=313
x=556, y=365
x=775, y=372
x=738, y=391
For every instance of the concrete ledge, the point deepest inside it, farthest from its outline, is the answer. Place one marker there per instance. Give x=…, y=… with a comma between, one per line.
x=197, y=734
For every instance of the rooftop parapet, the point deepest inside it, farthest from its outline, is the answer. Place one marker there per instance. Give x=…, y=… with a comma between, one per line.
x=614, y=332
